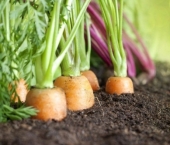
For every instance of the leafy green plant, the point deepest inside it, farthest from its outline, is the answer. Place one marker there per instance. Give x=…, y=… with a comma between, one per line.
x=22, y=24
x=112, y=14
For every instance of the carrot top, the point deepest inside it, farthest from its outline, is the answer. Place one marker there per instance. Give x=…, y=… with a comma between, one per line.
x=30, y=32
x=77, y=58
x=47, y=65
x=20, y=23
x=112, y=14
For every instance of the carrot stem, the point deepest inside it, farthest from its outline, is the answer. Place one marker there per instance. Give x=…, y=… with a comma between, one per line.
x=53, y=37
x=112, y=16
x=85, y=52
x=73, y=70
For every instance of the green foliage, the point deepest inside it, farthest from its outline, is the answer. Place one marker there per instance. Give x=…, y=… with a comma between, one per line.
x=30, y=32
x=95, y=60
x=9, y=113
x=112, y=14
x=22, y=30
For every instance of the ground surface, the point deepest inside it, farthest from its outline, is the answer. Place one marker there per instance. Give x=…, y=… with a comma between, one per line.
x=139, y=119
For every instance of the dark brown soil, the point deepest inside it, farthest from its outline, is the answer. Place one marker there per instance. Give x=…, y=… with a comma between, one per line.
x=139, y=119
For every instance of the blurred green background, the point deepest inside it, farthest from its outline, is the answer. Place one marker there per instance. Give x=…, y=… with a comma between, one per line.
x=152, y=19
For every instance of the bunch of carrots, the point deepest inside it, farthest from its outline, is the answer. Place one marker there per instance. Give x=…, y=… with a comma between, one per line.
x=53, y=48
x=50, y=33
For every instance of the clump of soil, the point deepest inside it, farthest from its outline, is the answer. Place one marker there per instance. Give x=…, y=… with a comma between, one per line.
x=142, y=118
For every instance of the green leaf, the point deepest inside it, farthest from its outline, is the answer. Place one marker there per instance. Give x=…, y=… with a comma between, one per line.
x=40, y=25
x=3, y=4
x=18, y=11
x=20, y=113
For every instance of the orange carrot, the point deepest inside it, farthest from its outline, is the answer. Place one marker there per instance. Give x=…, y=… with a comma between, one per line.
x=90, y=75
x=21, y=90
x=119, y=85
x=51, y=103
x=79, y=94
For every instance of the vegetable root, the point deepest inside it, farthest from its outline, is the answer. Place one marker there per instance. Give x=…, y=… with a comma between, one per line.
x=79, y=94
x=119, y=85
x=90, y=75
x=21, y=90
x=51, y=103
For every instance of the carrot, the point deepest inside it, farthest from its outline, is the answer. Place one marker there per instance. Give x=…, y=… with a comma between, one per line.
x=113, y=19
x=79, y=94
x=51, y=103
x=21, y=90
x=119, y=85
x=90, y=75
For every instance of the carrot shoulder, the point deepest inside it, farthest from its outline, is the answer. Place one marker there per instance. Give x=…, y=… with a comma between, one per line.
x=51, y=103
x=92, y=78
x=119, y=85
x=79, y=94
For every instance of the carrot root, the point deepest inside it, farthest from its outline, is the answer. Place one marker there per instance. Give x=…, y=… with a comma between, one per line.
x=21, y=90
x=119, y=85
x=51, y=103
x=90, y=75
x=79, y=94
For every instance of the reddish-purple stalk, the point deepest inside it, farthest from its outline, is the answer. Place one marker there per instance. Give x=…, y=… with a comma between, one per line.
x=143, y=57
x=131, y=69
x=97, y=21
x=133, y=53
x=98, y=43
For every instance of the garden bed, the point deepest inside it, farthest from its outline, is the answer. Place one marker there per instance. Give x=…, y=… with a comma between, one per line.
x=142, y=118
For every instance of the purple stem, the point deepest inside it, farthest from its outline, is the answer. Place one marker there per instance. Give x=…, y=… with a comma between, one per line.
x=98, y=34
x=149, y=61
x=97, y=20
x=100, y=46
x=143, y=60
x=130, y=61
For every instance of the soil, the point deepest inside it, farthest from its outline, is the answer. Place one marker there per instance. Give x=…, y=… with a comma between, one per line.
x=142, y=118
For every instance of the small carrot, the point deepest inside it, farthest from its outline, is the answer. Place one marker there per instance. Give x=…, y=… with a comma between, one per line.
x=79, y=94
x=119, y=85
x=21, y=90
x=51, y=103
x=92, y=78
x=113, y=19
